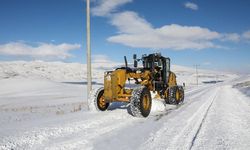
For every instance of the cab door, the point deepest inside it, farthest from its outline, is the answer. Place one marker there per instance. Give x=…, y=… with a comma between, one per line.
x=166, y=69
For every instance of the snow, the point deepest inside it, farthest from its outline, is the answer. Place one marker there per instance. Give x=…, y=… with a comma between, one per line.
x=243, y=85
x=227, y=124
x=43, y=105
x=75, y=72
x=55, y=71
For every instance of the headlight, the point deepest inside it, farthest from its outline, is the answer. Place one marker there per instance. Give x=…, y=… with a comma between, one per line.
x=138, y=71
x=108, y=77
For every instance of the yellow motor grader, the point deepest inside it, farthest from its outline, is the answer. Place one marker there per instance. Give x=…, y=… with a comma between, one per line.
x=133, y=85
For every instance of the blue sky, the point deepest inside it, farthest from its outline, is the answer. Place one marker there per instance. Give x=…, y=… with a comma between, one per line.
x=214, y=34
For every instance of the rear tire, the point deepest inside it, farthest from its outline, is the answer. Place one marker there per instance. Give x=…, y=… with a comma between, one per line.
x=175, y=95
x=140, y=102
x=182, y=94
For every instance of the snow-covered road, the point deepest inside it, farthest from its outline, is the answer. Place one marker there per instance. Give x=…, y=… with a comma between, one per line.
x=212, y=117
x=215, y=118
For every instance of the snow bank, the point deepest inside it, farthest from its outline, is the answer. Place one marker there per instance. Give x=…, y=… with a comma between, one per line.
x=244, y=85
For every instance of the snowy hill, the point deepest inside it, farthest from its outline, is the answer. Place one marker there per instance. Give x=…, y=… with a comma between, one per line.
x=67, y=72
x=55, y=71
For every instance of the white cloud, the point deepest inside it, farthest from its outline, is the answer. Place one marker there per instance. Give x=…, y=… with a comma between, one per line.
x=105, y=7
x=101, y=59
x=41, y=50
x=207, y=63
x=234, y=37
x=130, y=22
x=246, y=35
x=135, y=31
x=191, y=6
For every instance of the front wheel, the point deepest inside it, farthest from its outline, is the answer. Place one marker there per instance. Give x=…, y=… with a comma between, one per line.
x=140, y=102
x=99, y=100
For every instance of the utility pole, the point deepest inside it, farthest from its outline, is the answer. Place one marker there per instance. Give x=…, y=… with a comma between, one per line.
x=89, y=87
x=197, y=80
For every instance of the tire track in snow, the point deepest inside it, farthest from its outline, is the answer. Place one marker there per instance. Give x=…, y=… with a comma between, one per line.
x=192, y=126
x=41, y=137
x=38, y=137
x=189, y=100
x=203, y=120
x=138, y=132
x=227, y=124
x=182, y=126
x=84, y=139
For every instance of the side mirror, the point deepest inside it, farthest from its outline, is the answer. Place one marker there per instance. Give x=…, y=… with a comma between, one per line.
x=135, y=63
x=134, y=56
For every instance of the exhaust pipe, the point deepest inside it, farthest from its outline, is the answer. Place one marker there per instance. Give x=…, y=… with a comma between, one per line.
x=126, y=62
x=135, y=61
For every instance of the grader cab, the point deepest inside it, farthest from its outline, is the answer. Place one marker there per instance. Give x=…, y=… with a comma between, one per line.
x=134, y=85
